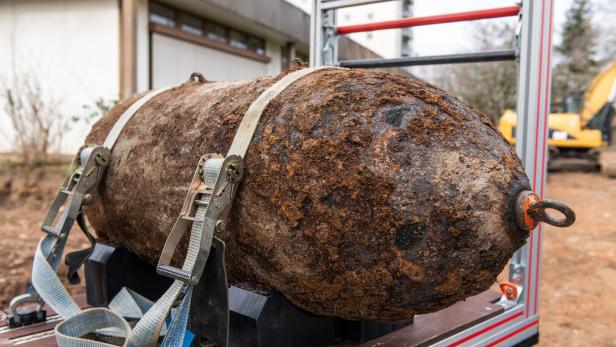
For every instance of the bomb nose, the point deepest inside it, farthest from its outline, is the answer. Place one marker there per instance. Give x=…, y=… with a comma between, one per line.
x=530, y=210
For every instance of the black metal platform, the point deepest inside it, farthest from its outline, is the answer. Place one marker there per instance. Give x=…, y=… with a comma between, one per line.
x=256, y=319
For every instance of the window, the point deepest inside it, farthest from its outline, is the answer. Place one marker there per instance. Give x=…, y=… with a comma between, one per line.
x=256, y=45
x=191, y=24
x=216, y=32
x=203, y=31
x=347, y=17
x=162, y=14
x=370, y=15
x=369, y=36
x=238, y=39
x=407, y=10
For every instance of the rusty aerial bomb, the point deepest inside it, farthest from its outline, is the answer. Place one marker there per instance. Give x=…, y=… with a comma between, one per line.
x=367, y=195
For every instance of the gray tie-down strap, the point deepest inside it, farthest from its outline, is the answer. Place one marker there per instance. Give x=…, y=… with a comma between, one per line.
x=45, y=282
x=46, y=286
x=148, y=329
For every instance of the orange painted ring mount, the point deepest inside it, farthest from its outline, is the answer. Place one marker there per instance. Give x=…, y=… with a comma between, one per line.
x=530, y=210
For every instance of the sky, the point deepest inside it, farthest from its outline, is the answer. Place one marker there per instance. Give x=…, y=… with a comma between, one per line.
x=454, y=37
x=457, y=37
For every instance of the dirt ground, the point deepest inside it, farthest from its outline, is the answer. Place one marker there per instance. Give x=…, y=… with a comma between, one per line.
x=578, y=307
x=25, y=196
x=578, y=284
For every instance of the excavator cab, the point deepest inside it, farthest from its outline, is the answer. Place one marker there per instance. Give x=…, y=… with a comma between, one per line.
x=584, y=126
x=604, y=121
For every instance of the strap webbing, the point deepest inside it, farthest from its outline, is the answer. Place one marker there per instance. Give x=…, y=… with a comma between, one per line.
x=249, y=123
x=119, y=125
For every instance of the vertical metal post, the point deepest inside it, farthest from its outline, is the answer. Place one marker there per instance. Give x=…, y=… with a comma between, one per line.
x=330, y=38
x=531, y=133
x=128, y=47
x=323, y=38
x=521, y=321
x=316, y=34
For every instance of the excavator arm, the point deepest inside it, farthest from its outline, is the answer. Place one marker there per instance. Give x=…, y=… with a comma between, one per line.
x=602, y=93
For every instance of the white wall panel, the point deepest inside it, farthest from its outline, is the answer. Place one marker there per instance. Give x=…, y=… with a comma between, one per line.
x=173, y=61
x=72, y=47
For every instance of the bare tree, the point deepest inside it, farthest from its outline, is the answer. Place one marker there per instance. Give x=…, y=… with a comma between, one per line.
x=605, y=21
x=577, y=52
x=35, y=117
x=491, y=87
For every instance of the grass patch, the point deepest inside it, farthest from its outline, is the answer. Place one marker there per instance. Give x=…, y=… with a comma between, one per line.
x=60, y=169
x=7, y=163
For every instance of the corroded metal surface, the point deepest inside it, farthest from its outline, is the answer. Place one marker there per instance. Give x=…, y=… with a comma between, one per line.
x=367, y=195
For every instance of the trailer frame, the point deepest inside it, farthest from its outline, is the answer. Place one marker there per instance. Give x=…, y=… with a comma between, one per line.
x=518, y=324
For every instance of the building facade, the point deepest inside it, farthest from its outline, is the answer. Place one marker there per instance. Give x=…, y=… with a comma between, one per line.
x=84, y=50
x=386, y=43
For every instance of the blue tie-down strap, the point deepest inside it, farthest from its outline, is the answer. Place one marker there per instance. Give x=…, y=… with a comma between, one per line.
x=177, y=335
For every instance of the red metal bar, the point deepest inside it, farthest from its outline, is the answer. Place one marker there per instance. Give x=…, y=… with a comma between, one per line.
x=438, y=19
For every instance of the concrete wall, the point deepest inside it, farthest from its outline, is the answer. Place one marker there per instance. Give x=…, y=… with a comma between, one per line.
x=72, y=48
x=273, y=19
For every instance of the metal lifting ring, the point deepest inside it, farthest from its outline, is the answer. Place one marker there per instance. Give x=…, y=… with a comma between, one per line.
x=542, y=215
x=197, y=77
x=530, y=210
x=28, y=298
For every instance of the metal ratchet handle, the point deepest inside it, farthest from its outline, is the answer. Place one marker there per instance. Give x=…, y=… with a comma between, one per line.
x=230, y=175
x=213, y=207
x=77, y=189
x=184, y=222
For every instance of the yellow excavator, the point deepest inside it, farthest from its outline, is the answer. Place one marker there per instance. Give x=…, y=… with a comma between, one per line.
x=582, y=134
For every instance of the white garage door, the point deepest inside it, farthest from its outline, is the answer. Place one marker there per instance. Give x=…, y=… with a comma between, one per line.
x=174, y=60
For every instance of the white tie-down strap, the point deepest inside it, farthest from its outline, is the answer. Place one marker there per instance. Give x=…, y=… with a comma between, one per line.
x=105, y=321
x=148, y=330
x=130, y=304
x=44, y=278
x=114, y=133
x=249, y=123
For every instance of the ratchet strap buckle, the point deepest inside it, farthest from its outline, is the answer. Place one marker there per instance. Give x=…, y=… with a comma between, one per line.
x=205, y=210
x=78, y=188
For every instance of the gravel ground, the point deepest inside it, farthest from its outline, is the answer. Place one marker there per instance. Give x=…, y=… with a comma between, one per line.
x=578, y=285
